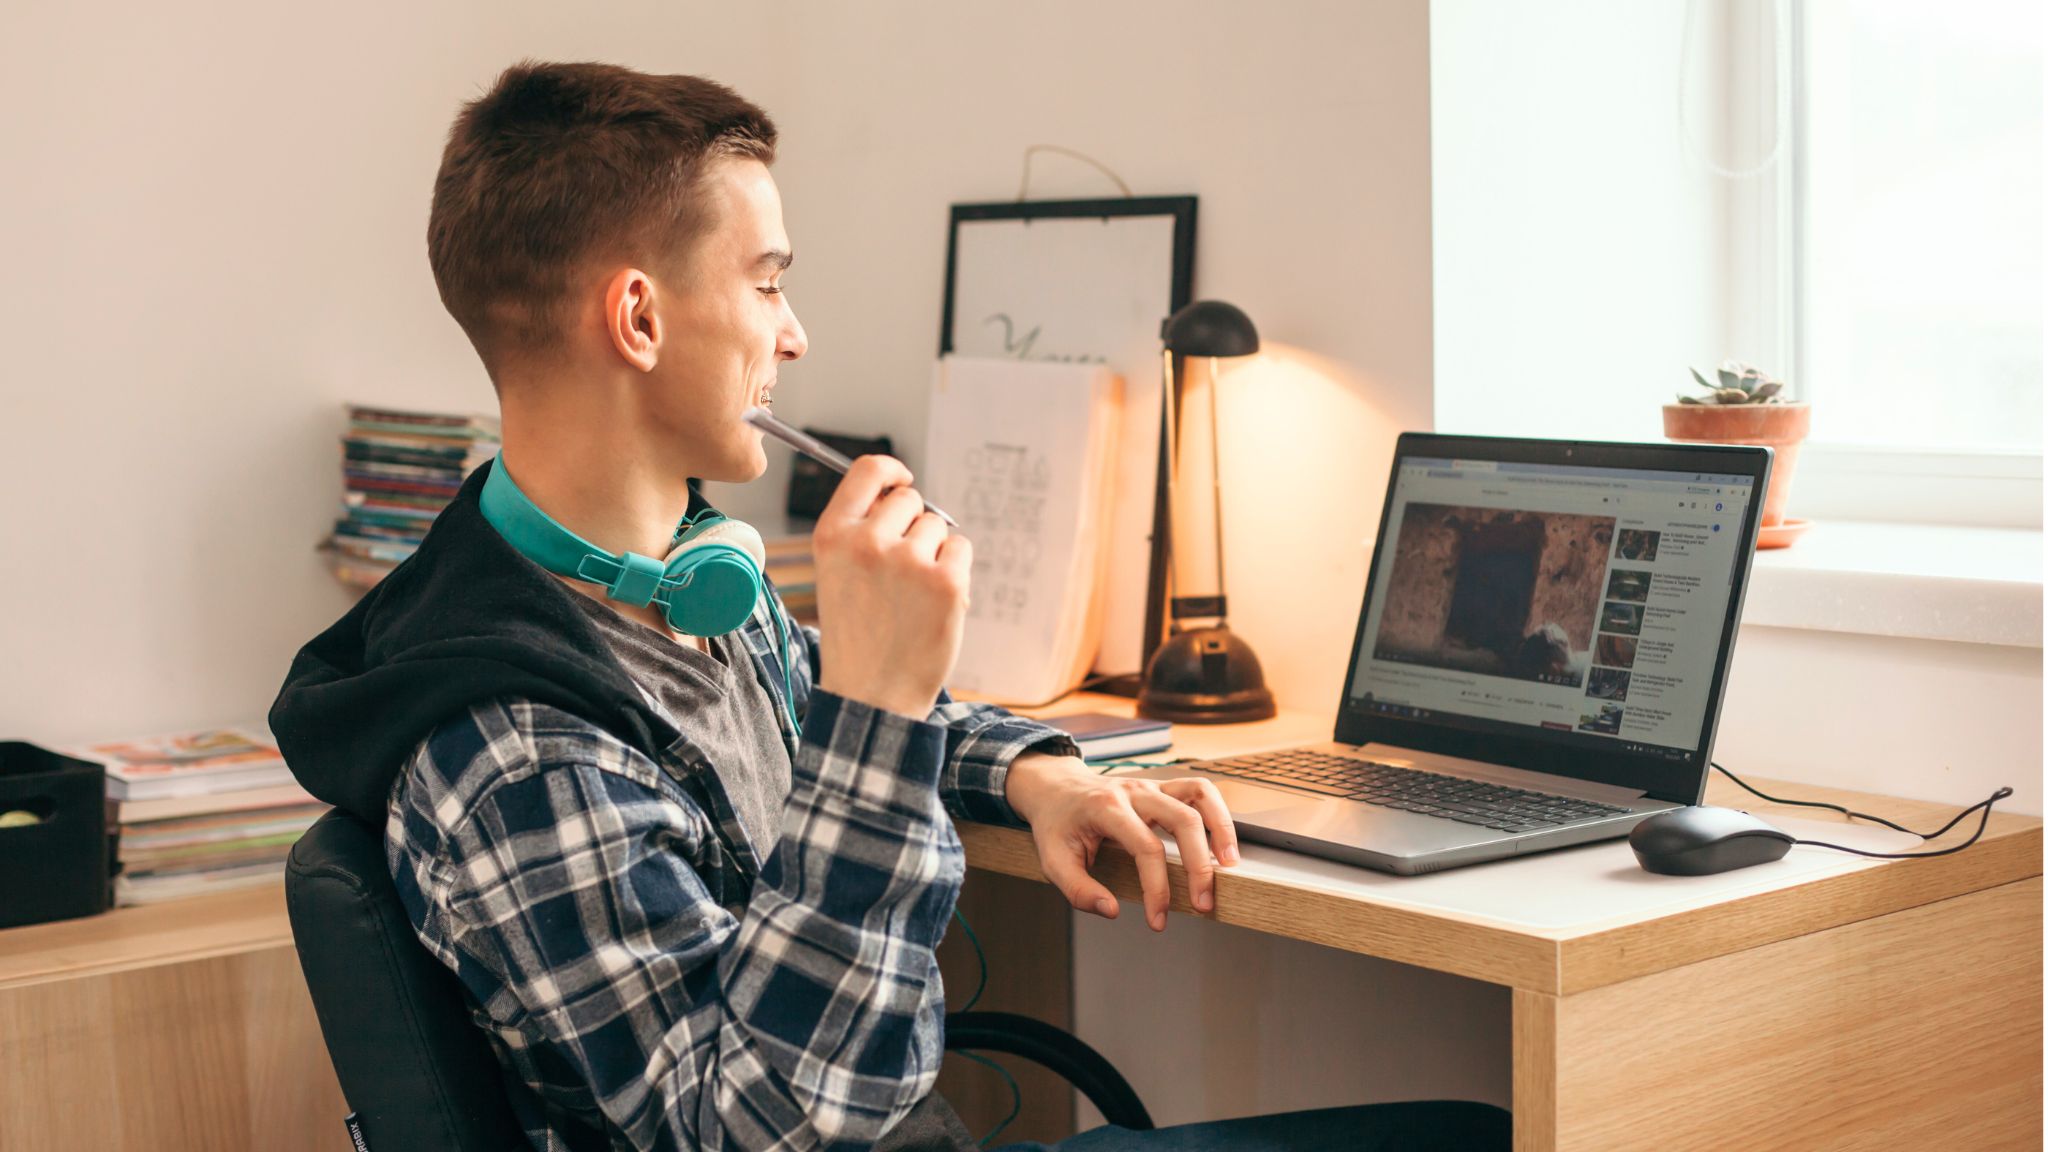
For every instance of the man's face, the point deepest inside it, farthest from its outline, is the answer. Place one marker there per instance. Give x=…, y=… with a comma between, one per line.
x=728, y=327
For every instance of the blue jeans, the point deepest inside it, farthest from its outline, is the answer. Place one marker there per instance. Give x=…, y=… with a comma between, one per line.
x=1420, y=1126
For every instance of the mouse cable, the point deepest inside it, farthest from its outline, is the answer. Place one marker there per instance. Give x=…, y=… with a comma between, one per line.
x=1982, y=821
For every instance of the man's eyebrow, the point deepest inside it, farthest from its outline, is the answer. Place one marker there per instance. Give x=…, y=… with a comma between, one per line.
x=775, y=256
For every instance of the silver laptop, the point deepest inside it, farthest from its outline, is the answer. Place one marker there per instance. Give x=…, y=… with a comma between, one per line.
x=1539, y=662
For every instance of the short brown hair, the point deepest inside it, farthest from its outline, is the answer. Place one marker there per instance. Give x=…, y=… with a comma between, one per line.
x=561, y=163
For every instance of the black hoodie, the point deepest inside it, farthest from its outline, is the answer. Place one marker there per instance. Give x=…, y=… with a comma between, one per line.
x=465, y=619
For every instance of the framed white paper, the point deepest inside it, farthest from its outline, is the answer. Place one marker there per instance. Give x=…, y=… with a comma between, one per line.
x=1084, y=281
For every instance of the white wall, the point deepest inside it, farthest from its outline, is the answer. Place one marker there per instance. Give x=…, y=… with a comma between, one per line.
x=1922, y=718
x=214, y=221
x=1304, y=131
x=214, y=226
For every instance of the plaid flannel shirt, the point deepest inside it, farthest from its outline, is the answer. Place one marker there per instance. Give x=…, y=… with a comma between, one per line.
x=651, y=982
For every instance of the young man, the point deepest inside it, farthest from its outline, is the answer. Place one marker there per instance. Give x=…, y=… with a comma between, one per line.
x=691, y=887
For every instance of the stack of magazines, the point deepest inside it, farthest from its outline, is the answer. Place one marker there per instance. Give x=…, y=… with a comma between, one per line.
x=200, y=811
x=399, y=469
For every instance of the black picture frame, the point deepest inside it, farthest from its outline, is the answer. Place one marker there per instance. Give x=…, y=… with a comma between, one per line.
x=1180, y=208
x=1182, y=212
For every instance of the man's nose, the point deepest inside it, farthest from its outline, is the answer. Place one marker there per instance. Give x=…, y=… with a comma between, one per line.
x=793, y=343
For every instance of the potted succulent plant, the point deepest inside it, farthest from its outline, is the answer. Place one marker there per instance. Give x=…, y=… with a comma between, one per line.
x=1744, y=405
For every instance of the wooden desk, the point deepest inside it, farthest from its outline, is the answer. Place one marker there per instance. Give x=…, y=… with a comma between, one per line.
x=1888, y=1005
x=183, y=1025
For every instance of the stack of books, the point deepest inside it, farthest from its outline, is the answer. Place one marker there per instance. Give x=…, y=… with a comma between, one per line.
x=200, y=812
x=1102, y=736
x=794, y=574
x=399, y=469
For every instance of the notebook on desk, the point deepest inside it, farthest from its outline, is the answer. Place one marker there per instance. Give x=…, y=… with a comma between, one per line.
x=1539, y=661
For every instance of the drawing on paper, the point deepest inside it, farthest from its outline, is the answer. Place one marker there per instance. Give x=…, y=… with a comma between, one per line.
x=1006, y=487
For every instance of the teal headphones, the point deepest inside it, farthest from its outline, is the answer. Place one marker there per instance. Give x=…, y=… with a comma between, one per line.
x=707, y=586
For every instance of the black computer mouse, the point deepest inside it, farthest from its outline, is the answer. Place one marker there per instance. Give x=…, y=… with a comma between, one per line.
x=1699, y=841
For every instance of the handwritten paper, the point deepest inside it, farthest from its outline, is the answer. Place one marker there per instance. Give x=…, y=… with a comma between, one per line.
x=1021, y=453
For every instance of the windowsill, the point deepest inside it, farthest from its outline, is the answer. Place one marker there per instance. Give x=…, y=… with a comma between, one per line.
x=1963, y=584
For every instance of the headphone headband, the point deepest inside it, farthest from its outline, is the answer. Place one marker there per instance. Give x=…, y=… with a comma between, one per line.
x=722, y=579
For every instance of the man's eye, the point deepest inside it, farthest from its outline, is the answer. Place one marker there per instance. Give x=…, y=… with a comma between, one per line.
x=773, y=289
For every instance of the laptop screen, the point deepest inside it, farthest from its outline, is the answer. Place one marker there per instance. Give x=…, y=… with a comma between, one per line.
x=1574, y=603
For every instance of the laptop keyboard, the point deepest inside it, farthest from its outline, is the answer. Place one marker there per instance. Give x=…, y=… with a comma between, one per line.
x=1406, y=790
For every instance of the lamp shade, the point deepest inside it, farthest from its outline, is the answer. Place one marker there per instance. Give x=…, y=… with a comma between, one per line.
x=1210, y=328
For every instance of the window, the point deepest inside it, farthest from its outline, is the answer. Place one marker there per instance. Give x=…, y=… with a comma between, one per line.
x=1848, y=193
x=1917, y=189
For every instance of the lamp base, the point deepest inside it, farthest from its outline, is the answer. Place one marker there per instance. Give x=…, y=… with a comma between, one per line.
x=1205, y=676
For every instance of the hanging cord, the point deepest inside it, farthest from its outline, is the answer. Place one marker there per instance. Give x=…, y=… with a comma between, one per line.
x=783, y=627
x=1024, y=185
x=980, y=985
x=1781, y=97
x=1982, y=821
x=980, y=958
x=1016, y=1094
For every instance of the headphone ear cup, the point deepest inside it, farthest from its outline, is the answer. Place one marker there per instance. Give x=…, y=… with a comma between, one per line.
x=737, y=533
x=721, y=562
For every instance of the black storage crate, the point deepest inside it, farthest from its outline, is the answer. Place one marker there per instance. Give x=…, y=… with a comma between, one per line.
x=55, y=869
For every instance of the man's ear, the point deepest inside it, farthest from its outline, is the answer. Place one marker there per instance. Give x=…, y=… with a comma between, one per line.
x=630, y=318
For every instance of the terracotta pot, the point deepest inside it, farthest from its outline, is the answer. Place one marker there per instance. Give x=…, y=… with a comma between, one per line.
x=1781, y=427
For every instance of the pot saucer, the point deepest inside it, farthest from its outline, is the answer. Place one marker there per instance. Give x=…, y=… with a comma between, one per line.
x=1781, y=535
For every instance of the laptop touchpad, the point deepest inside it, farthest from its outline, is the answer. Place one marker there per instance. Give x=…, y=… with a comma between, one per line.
x=1250, y=800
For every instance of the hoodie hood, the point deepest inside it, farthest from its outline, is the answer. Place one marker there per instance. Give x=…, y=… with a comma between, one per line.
x=465, y=619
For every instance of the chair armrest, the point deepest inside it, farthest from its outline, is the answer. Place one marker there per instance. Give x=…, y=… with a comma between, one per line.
x=1057, y=1049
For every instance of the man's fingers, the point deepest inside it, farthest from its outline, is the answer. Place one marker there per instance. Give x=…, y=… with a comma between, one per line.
x=957, y=555
x=863, y=484
x=1185, y=824
x=894, y=512
x=926, y=533
x=1201, y=793
x=1124, y=825
x=1069, y=874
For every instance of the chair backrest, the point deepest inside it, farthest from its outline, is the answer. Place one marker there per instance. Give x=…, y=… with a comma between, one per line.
x=418, y=1073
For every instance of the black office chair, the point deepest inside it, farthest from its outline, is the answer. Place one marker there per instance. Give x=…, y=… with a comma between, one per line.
x=408, y=1057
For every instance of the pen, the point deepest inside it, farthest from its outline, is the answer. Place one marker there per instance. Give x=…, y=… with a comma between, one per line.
x=818, y=450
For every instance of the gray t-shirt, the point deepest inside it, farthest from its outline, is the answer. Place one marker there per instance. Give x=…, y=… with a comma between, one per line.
x=719, y=706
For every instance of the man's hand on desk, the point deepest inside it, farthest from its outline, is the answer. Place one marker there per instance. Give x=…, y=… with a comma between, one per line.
x=1072, y=809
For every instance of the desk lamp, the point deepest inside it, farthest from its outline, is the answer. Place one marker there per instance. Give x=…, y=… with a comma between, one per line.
x=1200, y=674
